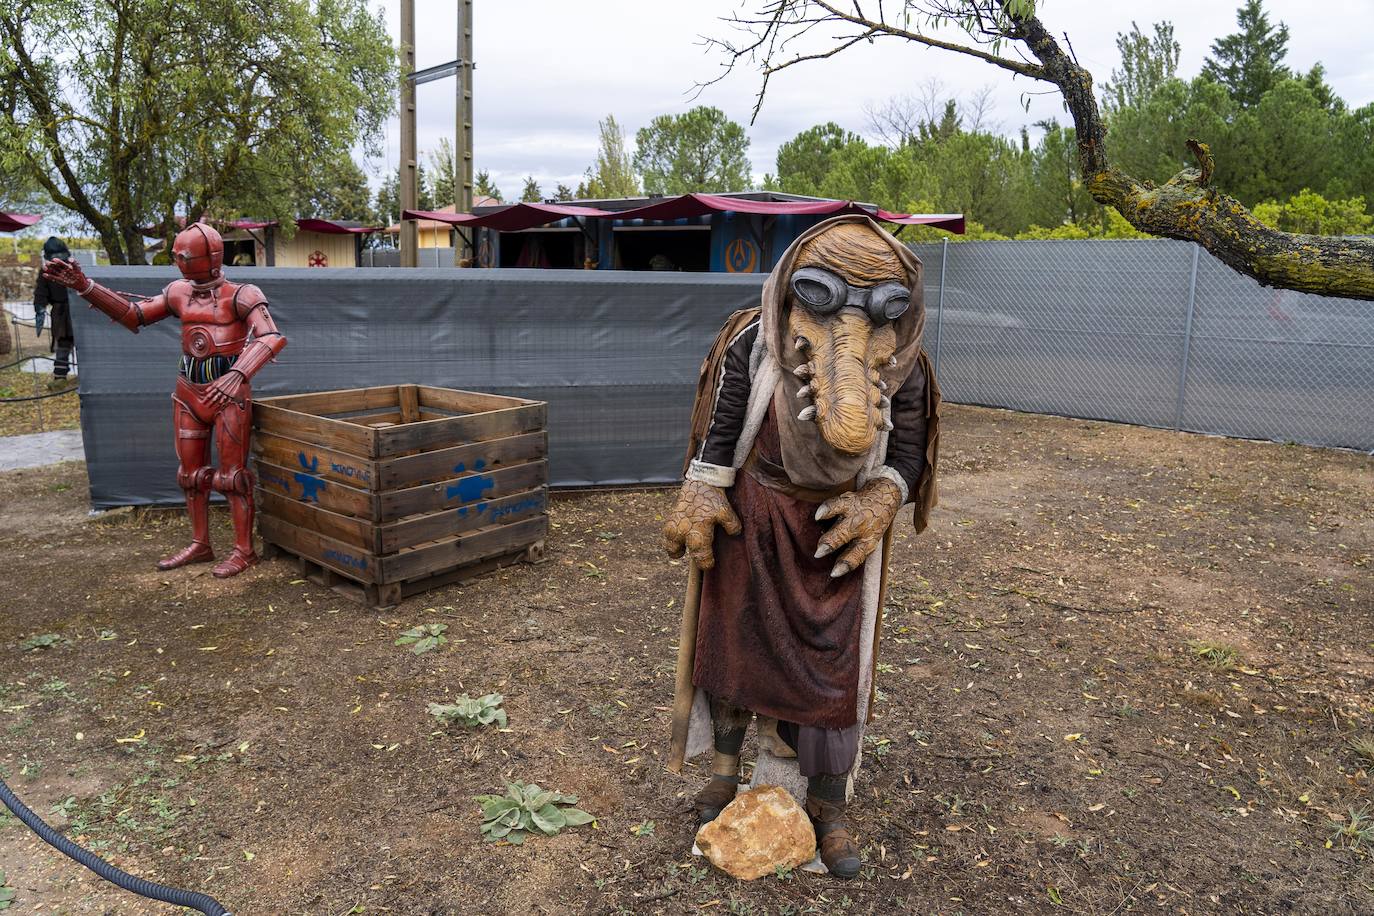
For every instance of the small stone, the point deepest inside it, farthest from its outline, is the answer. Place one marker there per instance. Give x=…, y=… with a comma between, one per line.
x=759, y=832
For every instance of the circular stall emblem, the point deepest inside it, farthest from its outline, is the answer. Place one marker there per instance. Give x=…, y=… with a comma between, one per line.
x=317, y=259
x=741, y=256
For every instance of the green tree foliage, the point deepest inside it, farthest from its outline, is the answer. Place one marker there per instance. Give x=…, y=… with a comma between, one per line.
x=127, y=113
x=613, y=173
x=1249, y=62
x=563, y=192
x=483, y=186
x=389, y=195
x=699, y=150
x=1309, y=212
x=1146, y=64
x=806, y=159
x=441, y=173
x=531, y=193
x=340, y=192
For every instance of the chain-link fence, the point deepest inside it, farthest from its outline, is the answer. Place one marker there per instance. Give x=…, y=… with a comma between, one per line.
x=1153, y=332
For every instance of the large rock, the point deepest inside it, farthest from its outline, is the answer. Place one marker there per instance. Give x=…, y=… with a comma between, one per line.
x=759, y=832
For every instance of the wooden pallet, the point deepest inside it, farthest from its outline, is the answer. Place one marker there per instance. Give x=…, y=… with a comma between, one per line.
x=383, y=597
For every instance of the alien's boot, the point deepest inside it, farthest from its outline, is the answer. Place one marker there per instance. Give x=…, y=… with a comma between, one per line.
x=728, y=725
x=825, y=803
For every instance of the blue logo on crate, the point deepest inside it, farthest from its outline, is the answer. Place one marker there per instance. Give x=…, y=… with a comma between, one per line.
x=531, y=502
x=469, y=488
x=310, y=485
x=345, y=559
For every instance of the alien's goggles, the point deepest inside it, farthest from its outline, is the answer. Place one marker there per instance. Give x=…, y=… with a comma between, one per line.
x=825, y=293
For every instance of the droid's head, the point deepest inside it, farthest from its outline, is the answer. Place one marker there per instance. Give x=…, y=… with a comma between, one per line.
x=198, y=252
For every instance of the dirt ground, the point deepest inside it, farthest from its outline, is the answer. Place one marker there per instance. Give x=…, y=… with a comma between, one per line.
x=1125, y=670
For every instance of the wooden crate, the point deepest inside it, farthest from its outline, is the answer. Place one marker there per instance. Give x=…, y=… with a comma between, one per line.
x=386, y=492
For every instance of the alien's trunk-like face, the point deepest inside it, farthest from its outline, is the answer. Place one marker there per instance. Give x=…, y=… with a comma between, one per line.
x=841, y=320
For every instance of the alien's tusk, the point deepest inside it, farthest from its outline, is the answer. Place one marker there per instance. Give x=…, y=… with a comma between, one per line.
x=887, y=426
x=803, y=344
x=882, y=385
x=808, y=413
x=804, y=372
x=884, y=401
x=805, y=391
x=892, y=362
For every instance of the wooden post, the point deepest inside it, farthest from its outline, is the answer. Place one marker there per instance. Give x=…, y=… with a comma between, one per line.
x=409, y=230
x=462, y=138
x=684, y=693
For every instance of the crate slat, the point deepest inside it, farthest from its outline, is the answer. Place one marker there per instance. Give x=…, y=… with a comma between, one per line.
x=435, y=525
x=458, y=491
x=344, y=559
x=323, y=431
x=411, y=470
x=330, y=464
x=300, y=484
x=426, y=434
x=359, y=532
x=414, y=562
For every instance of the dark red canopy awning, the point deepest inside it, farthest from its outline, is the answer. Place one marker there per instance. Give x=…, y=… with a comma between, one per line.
x=689, y=205
x=512, y=218
x=527, y=216
x=13, y=222
x=329, y=227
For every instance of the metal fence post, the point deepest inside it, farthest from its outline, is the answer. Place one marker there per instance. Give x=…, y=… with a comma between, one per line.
x=1187, y=341
x=940, y=306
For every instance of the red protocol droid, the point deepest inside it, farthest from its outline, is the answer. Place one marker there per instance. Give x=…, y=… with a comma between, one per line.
x=227, y=335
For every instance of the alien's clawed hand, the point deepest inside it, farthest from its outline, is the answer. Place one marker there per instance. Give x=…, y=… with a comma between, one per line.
x=691, y=525
x=865, y=515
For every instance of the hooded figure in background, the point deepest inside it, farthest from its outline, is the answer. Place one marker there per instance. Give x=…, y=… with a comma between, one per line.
x=51, y=298
x=816, y=420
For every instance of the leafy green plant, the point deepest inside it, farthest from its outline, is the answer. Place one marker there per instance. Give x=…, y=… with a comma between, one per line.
x=471, y=712
x=1221, y=656
x=423, y=638
x=41, y=641
x=643, y=829
x=1364, y=746
x=6, y=892
x=526, y=809
x=1358, y=832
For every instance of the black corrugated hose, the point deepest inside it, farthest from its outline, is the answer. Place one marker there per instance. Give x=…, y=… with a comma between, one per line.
x=153, y=891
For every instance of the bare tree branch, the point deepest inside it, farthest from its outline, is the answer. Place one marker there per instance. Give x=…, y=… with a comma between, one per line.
x=1183, y=208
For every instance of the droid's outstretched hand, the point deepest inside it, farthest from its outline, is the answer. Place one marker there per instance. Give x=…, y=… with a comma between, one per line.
x=66, y=273
x=691, y=525
x=864, y=516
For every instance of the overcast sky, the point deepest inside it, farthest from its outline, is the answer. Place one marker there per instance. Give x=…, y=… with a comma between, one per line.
x=548, y=70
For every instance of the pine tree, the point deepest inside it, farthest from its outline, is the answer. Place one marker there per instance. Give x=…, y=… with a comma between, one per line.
x=483, y=186
x=1250, y=62
x=531, y=193
x=613, y=174
x=1146, y=64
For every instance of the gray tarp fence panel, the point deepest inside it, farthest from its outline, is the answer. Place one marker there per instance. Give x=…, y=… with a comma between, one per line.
x=615, y=354
x=1112, y=330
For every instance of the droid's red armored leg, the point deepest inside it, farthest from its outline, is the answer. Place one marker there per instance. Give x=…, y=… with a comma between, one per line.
x=193, y=476
x=233, y=425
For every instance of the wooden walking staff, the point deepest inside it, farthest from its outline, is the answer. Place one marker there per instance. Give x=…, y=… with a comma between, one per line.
x=684, y=693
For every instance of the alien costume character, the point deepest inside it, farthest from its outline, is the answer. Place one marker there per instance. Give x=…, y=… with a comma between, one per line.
x=816, y=420
x=227, y=335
